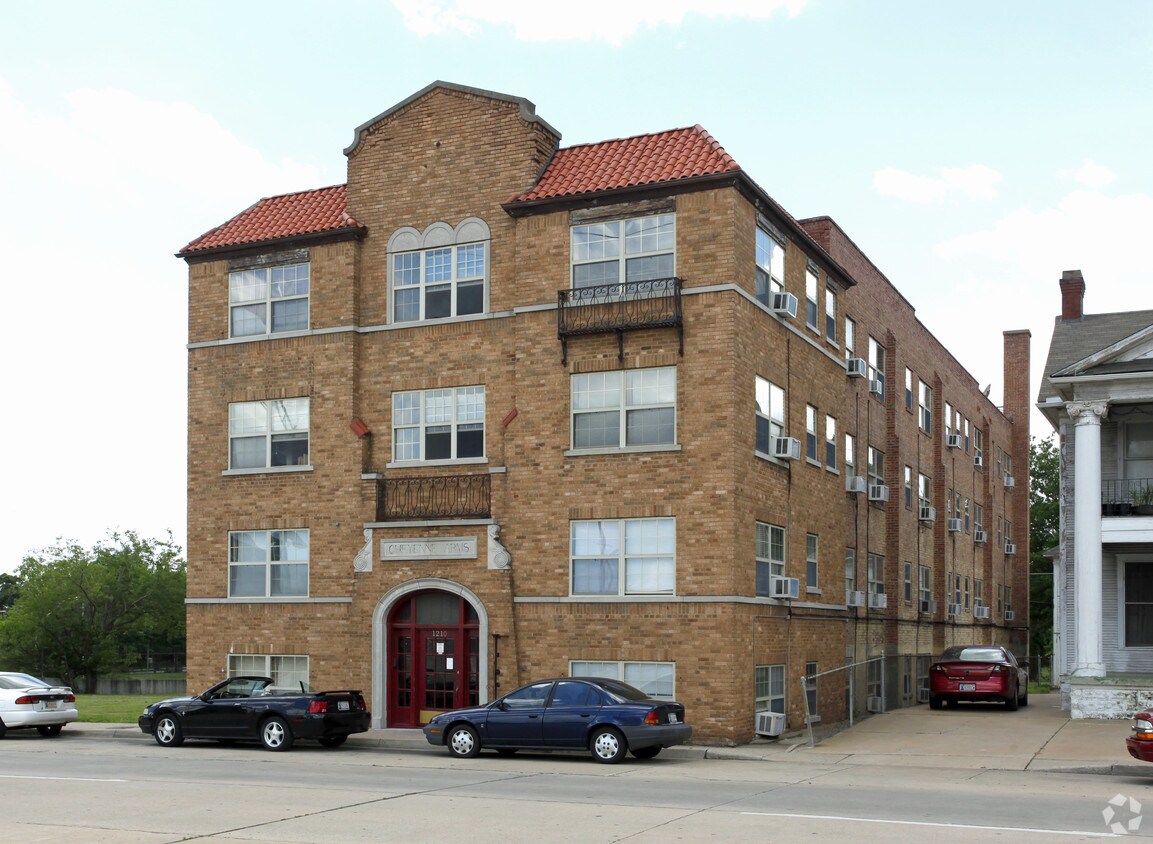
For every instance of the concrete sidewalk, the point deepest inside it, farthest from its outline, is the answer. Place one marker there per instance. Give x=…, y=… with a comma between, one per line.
x=1039, y=737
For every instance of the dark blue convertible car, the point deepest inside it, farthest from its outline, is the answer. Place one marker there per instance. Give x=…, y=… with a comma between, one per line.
x=605, y=717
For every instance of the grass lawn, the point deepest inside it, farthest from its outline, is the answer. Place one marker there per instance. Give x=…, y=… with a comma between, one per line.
x=113, y=709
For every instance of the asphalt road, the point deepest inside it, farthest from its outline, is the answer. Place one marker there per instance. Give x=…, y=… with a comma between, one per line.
x=127, y=789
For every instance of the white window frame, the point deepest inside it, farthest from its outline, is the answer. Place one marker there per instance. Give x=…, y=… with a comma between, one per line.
x=656, y=679
x=264, y=289
x=850, y=570
x=769, y=688
x=811, y=433
x=877, y=364
x=812, y=290
x=924, y=584
x=875, y=465
x=812, y=563
x=622, y=543
x=422, y=413
x=623, y=241
x=850, y=336
x=925, y=408
x=830, y=314
x=272, y=544
x=284, y=421
x=831, y=443
x=287, y=671
x=875, y=573
x=427, y=273
x=770, y=413
x=770, y=550
x=770, y=261
x=629, y=393
x=850, y=454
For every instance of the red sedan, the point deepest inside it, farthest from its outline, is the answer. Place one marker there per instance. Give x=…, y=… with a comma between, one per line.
x=985, y=672
x=1140, y=744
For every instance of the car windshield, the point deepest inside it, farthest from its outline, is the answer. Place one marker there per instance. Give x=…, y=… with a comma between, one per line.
x=20, y=681
x=975, y=654
x=621, y=691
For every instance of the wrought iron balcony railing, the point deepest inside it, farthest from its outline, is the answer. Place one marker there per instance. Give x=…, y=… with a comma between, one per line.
x=617, y=308
x=1123, y=497
x=434, y=497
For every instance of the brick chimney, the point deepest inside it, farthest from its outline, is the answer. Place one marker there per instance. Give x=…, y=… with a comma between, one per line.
x=1072, y=296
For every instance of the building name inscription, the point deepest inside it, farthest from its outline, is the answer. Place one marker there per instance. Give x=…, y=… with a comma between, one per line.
x=448, y=548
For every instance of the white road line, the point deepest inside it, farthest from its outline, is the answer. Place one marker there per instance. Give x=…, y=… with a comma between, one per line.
x=57, y=779
x=930, y=823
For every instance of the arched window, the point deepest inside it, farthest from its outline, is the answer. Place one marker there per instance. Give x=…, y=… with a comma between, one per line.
x=439, y=273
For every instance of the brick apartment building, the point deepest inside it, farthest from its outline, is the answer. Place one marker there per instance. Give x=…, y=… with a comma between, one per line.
x=495, y=410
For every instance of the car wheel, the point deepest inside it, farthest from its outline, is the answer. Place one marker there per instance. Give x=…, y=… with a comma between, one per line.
x=646, y=752
x=1025, y=699
x=608, y=746
x=50, y=730
x=463, y=742
x=333, y=741
x=935, y=702
x=167, y=732
x=275, y=734
x=3, y=728
x=1011, y=702
x=506, y=751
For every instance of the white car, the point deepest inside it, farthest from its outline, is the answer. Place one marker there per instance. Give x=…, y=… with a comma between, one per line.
x=27, y=702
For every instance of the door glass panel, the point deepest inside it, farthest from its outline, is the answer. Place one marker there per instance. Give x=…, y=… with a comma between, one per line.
x=437, y=608
x=402, y=678
x=439, y=672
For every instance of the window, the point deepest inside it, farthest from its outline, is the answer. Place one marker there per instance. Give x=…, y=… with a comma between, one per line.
x=966, y=516
x=877, y=364
x=267, y=563
x=924, y=490
x=811, y=559
x=876, y=466
x=875, y=566
x=956, y=589
x=850, y=337
x=811, y=298
x=270, y=300
x=963, y=430
x=978, y=516
x=648, y=253
x=446, y=424
x=287, y=672
x=925, y=405
x=656, y=679
x=909, y=486
x=770, y=555
x=830, y=315
x=831, y=443
x=908, y=389
x=924, y=584
x=810, y=432
x=811, y=690
x=850, y=570
x=264, y=434
x=850, y=454
x=438, y=283
x=770, y=414
x=770, y=266
x=966, y=593
x=978, y=445
x=623, y=557
x=636, y=407
x=1137, y=455
x=948, y=418
x=770, y=689
x=978, y=593
x=908, y=582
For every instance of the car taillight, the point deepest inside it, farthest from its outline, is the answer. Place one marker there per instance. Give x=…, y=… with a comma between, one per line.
x=70, y=698
x=1143, y=729
x=939, y=668
x=318, y=707
x=997, y=669
x=652, y=717
x=361, y=705
x=24, y=700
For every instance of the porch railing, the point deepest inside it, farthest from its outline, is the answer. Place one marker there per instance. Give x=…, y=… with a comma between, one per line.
x=1119, y=497
x=434, y=497
x=609, y=308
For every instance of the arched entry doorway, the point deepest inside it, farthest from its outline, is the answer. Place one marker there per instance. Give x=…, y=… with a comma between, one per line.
x=433, y=652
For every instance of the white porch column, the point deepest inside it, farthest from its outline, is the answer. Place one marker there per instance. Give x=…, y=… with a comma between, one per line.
x=1087, y=416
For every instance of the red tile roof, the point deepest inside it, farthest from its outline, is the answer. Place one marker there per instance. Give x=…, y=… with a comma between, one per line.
x=630, y=162
x=289, y=215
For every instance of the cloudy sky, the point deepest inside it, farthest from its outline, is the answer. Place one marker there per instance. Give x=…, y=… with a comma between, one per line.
x=974, y=152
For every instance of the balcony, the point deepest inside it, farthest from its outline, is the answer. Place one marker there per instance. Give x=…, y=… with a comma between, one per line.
x=1128, y=497
x=434, y=497
x=617, y=308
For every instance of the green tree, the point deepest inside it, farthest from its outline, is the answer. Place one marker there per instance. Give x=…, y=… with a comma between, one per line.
x=1044, y=523
x=9, y=589
x=82, y=613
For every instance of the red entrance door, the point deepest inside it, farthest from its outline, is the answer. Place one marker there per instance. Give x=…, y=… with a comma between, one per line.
x=432, y=657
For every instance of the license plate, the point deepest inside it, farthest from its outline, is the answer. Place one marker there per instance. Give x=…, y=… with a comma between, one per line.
x=50, y=704
x=342, y=705
x=968, y=687
x=672, y=717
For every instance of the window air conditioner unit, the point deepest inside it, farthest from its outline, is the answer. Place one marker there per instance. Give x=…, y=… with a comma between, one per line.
x=769, y=724
x=955, y=525
x=878, y=600
x=954, y=609
x=980, y=536
x=875, y=704
x=978, y=460
x=785, y=587
x=922, y=695
x=927, y=514
x=877, y=386
x=1010, y=615
x=952, y=440
x=1009, y=482
x=857, y=367
x=786, y=448
x=1010, y=548
x=855, y=483
x=854, y=599
x=980, y=612
x=929, y=607
x=878, y=492
x=784, y=304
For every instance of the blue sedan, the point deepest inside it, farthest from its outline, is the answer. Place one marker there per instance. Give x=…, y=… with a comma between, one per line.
x=605, y=717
